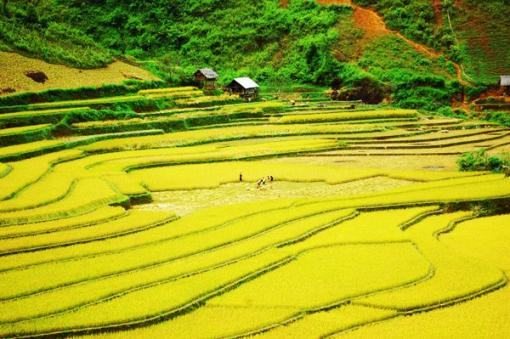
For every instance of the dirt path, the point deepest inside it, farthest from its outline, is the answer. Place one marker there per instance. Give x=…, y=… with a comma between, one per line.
x=373, y=24
x=370, y=22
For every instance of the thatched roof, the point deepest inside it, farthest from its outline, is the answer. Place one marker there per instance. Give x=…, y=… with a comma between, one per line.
x=208, y=73
x=505, y=80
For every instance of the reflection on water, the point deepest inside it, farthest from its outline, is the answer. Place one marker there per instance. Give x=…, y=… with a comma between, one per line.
x=187, y=201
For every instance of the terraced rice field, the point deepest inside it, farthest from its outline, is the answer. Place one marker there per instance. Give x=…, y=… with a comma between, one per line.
x=366, y=231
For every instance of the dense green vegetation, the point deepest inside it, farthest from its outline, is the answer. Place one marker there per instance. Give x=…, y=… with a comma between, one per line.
x=478, y=37
x=483, y=30
x=255, y=37
x=415, y=19
x=417, y=81
x=35, y=28
x=304, y=43
x=481, y=161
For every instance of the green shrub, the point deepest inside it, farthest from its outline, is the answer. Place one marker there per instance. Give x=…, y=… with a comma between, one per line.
x=447, y=111
x=358, y=84
x=481, y=161
x=416, y=81
x=502, y=118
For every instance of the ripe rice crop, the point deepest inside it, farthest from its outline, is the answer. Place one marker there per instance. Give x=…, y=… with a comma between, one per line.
x=87, y=195
x=212, y=324
x=83, y=102
x=37, y=194
x=378, y=226
x=324, y=276
x=167, y=90
x=453, y=320
x=4, y=170
x=228, y=133
x=61, y=111
x=154, y=302
x=212, y=175
x=24, y=148
x=482, y=238
x=454, y=277
x=27, y=172
x=199, y=222
x=321, y=324
x=98, y=216
x=330, y=117
x=207, y=100
x=288, y=259
x=148, y=248
x=18, y=130
x=124, y=185
x=174, y=95
x=131, y=223
x=213, y=153
x=122, y=284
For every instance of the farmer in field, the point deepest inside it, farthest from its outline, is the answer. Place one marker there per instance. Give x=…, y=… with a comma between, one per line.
x=261, y=182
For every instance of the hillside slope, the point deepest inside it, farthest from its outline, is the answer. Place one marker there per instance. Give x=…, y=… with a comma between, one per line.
x=483, y=30
x=473, y=33
x=14, y=67
x=404, y=52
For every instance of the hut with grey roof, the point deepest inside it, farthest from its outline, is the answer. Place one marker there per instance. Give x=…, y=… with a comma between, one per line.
x=206, y=77
x=245, y=87
x=504, y=82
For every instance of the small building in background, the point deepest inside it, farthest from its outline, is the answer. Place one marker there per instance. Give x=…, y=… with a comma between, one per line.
x=245, y=87
x=504, y=83
x=206, y=77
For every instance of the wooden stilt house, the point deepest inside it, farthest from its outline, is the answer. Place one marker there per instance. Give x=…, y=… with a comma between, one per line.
x=206, y=77
x=245, y=87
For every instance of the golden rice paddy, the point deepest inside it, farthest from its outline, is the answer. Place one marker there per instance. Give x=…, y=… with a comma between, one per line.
x=272, y=227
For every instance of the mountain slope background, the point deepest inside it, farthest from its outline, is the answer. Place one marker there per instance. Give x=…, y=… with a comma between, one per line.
x=420, y=53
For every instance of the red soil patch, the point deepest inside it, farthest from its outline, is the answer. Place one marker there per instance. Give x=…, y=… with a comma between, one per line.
x=374, y=26
x=370, y=22
x=492, y=92
x=438, y=11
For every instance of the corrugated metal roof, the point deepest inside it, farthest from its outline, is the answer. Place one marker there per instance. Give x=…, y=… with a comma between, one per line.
x=246, y=83
x=208, y=73
x=505, y=80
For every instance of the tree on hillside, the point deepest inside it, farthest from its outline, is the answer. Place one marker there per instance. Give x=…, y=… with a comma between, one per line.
x=4, y=7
